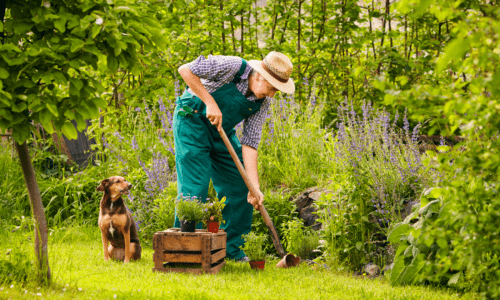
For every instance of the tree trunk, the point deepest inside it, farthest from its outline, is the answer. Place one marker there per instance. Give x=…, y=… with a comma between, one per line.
x=41, y=249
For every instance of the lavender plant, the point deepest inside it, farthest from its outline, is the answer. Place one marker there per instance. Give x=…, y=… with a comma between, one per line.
x=379, y=172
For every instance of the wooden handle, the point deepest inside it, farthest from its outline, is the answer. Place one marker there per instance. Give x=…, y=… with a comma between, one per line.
x=255, y=193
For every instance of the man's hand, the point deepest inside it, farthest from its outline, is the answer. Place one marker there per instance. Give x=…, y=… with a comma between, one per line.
x=254, y=201
x=214, y=115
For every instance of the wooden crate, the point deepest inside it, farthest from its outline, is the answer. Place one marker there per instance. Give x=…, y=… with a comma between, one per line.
x=189, y=252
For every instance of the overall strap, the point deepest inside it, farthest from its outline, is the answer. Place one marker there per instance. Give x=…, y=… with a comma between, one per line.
x=237, y=77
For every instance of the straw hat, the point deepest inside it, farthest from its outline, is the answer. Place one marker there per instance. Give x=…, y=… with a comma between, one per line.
x=276, y=68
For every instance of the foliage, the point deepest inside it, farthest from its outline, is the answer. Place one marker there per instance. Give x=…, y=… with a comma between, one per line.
x=292, y=150
x=300, y=240
x=254, y=246
x=376, y=172
x=415, y=248
x=280, y=210
x=459, y=95
x=213, y=210
x=47, y=47
x=189, y=209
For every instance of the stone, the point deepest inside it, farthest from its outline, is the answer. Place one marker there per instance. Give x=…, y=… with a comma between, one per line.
x=307, y=208
x=371, y=270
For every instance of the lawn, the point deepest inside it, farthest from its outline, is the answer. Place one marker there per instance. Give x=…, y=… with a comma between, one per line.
x=79, y=272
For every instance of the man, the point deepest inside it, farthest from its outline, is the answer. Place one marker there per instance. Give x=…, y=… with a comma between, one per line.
x=222, y=91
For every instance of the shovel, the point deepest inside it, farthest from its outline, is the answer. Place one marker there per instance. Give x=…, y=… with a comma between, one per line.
x=253, y=190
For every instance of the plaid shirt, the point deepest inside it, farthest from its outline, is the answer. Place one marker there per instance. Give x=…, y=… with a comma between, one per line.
x=216, y=71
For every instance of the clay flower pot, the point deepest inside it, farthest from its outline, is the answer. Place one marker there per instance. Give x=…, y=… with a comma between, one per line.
x=257, y=264
x=289, y=260
x=187, y=226
x=213, y=227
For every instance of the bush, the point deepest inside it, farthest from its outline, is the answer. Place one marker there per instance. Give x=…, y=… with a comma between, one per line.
x=300, y=240
x=254, y=246
x=377, y=171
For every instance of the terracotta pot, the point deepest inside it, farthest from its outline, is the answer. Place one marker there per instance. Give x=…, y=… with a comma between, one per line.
x=257, y=264
x=213, y=227
x=289, y=260
x=187, y=226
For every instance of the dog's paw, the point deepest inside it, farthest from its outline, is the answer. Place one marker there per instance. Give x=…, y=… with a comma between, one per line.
x=126, y=261
x=106, y=257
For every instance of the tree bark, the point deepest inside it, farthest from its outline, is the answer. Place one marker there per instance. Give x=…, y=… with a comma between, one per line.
x=41, y=237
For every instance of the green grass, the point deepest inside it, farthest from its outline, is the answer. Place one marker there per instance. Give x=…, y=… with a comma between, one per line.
x=79, y=272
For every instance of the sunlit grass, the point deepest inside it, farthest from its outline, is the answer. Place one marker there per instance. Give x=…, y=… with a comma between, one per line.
x=79, y=272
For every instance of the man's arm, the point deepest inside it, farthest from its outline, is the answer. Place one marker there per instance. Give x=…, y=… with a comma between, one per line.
x=250, y=156
x=214, y=115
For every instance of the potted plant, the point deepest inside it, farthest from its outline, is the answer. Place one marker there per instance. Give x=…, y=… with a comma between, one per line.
x=213, y=213
x=254, y=249
x=190, y=212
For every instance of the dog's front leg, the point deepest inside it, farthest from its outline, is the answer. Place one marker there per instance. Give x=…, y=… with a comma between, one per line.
x=126, y=236
x=104, y=238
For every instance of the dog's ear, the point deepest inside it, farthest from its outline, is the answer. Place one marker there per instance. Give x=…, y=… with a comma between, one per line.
x=103, y=185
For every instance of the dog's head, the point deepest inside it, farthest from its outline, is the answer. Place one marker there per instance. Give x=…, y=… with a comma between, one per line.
x=115, y=186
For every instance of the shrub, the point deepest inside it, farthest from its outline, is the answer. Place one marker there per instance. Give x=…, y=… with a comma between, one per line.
x=377, y=171
x=254, y=246
x=300, y=240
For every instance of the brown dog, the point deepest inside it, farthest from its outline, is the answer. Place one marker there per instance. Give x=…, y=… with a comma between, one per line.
x=116, y=223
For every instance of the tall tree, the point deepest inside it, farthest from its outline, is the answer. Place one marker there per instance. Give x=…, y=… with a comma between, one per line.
x=49, y=53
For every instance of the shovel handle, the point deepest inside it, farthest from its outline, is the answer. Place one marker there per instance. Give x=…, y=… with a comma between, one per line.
x=255, y=193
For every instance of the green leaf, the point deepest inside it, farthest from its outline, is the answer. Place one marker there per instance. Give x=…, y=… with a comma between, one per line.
x=21, y=132
x=80, y=122
x=69, y=130
x=399, y=231
x=93, y=110
x=53, y=109
x=454, y=279
x=413, y=269
x=59, y=24
x=95, y=30
x=99, y=102
x=45, y=118
x=112, y=63
x=76, y=45
x=456, y=49
x=77, y=82
x=20, y=107
x=359, y=245
x=3, y=73
x=60, y=77
x=126, y=9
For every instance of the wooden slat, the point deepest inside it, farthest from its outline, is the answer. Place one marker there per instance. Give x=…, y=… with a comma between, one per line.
x=181, y=258
x=206, y=246
x=179, y=270
x=218, y=255
x=181, y=243
x=219, y=241
x=217, y=268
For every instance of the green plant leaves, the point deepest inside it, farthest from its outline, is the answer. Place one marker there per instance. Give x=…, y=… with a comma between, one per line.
x=398, y=232
x=69, y=130
x=455, y=50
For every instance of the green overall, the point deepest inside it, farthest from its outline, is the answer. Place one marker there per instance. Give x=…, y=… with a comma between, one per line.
x=200, y=154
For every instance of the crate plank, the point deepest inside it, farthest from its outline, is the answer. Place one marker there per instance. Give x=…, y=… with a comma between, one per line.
x=181, y=243
x=182, y=258
x=218, y=255
x=219, y=241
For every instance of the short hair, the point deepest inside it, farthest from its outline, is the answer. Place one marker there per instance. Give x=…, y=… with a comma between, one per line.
x=253, y=72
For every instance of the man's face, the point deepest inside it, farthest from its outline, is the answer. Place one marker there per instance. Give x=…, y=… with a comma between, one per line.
x=262, y=88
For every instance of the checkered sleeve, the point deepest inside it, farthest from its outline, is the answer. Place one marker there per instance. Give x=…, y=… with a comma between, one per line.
x=252, y=126
x=221, y=69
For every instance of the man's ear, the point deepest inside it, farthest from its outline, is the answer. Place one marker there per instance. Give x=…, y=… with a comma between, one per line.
x=103, y=185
